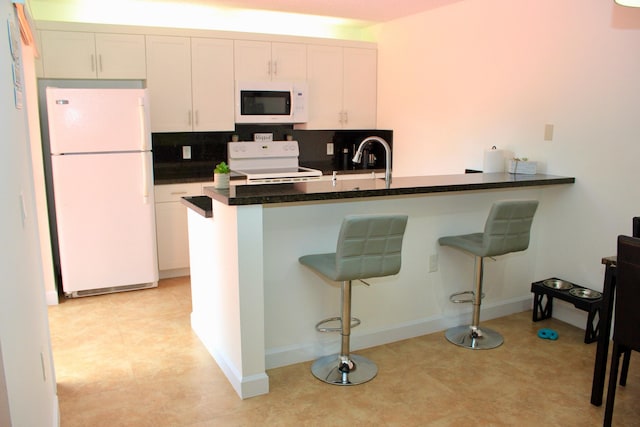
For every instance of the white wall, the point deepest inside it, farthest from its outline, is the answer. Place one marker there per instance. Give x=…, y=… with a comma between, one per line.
x=456, y=80
x=24, y=332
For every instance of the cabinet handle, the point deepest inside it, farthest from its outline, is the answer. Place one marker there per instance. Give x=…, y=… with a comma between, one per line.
x=175, y=193
x=197, y=118
x=346, y=117
x=93, y=63
x=275, y=68
x=189, y=117
x=100, y=62
x=269, y=68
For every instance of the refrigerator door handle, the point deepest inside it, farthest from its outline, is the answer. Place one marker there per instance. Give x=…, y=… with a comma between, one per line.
x=144, y=128
x=145, y=178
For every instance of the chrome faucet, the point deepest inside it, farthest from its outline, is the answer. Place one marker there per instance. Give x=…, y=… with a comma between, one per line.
x=387, y=151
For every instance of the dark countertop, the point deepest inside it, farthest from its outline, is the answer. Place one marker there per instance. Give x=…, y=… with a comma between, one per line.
x=200, y=204
x=363, y=188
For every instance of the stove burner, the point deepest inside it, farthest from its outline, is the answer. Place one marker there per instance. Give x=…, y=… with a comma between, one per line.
x=269, y=162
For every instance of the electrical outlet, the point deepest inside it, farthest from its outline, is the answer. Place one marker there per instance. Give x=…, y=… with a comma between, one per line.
x=329, y=148
x=433, y=263
x=186, y=152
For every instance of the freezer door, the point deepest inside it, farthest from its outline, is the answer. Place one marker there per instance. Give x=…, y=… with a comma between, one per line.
x=105, y=220
x=98, y=120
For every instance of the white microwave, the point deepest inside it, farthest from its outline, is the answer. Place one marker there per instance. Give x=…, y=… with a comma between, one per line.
x=271, y=102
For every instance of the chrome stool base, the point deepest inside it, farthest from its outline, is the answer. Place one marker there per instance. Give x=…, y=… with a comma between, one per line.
x=474, y=338
x=327, y=369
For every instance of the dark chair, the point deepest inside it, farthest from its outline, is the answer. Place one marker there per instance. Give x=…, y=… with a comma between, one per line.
x=626, y=328
x=368, y=246
x=627, y=354
x=506, y=230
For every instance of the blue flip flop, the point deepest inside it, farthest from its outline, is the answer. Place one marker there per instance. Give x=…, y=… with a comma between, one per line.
x=548, y=334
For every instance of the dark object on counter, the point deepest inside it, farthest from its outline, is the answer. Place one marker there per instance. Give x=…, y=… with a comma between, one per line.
x=345, y=159
x=626, y=334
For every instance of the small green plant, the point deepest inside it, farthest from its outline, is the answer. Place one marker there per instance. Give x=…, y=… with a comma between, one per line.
x=222, y=167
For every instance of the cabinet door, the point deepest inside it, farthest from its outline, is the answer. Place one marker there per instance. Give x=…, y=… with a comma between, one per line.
x=172, y=236
x=171, y=225
x=324, y=76
x=252, y=60
x=212, y=84
x=67, y=54
x=121, y=56
x=288, y=61
x=169, y=83
x=360, y=88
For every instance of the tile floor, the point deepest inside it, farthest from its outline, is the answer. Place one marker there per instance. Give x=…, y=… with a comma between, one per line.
x=131, y=359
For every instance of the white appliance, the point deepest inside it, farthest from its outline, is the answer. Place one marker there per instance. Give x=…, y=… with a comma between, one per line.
x=102, y=177
x=269, y=162
x=271, y=102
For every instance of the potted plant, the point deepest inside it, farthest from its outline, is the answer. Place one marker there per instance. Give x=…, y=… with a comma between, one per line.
x=221, y=175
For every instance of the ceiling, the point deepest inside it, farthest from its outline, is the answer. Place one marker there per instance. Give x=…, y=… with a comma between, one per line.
x=373, y=11
x=343, y=19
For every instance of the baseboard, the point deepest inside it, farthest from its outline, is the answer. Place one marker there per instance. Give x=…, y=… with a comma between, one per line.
x=176, y=272
x=283, y=356
x=52, y=298
x=245, y=386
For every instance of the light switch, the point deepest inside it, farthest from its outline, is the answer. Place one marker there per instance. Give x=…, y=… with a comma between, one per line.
x=548, y=132
x=329, y=148
x=186, y=152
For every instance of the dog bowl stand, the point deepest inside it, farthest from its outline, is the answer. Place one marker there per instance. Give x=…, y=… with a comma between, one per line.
x=543, y=306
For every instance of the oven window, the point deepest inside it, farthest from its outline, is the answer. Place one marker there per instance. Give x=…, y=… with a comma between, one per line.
x=265, y=103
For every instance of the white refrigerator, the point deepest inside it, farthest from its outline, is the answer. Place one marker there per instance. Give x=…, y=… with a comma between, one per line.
x=102, y=175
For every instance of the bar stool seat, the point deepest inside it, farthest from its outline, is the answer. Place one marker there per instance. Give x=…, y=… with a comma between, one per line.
x=368, y=246
x=506, y=230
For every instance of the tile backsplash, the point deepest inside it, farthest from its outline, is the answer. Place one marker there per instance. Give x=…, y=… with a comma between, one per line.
x=191, y=156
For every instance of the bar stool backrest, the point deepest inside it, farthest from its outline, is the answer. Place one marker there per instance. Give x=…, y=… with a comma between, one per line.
x=508, y=227
x=626, y=329
x=369, y=246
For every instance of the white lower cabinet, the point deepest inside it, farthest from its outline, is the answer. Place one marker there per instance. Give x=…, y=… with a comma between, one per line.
x=171, y=228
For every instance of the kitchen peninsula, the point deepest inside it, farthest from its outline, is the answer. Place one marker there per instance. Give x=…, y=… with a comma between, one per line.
x=255, y=306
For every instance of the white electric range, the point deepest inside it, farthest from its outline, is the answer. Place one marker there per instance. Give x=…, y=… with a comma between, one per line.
x=269, y=162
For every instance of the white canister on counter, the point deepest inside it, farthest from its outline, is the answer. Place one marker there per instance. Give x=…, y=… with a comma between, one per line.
x=493, y=160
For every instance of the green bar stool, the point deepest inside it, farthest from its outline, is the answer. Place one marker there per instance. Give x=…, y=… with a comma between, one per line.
x=368, y=246
x=507, y=230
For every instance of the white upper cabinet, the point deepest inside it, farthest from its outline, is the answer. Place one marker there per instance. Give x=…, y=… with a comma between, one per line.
x=190, y=84
x=324, y=67
x=359, y=94
x=121, y=56
x=81, y=55
x=342, y=87
x=169, y=83
x=260, y=61
x=212, y=84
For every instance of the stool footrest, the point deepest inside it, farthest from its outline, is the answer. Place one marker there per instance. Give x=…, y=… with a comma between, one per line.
x=454, y=297
x=354, y=322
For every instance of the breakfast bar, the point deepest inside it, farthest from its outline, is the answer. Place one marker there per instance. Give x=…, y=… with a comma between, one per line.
x=255, y=306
